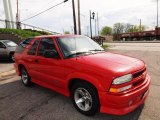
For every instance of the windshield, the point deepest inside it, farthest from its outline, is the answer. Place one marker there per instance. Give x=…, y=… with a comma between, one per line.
x=10, y=43
x=78, y=45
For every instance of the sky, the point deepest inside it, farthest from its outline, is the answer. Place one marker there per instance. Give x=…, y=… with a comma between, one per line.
x=60, y=18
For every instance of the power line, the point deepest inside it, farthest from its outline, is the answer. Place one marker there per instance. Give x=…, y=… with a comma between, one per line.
x=44, y=11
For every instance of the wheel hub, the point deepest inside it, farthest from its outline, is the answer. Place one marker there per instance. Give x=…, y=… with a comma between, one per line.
x=83, y=99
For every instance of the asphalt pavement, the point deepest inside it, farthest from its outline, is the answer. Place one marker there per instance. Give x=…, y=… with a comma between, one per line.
x=135, y=46
x=18, y=102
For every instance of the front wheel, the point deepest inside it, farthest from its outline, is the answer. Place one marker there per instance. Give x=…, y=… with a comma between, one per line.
x=85, y=98
x=26, y=80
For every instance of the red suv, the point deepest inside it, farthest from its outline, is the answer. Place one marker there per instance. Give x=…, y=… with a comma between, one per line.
x=78, y=67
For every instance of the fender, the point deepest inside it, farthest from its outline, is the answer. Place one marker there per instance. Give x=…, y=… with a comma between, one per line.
x=87, y=78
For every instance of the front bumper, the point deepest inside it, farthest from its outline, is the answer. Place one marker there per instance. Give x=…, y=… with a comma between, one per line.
x=123, y=104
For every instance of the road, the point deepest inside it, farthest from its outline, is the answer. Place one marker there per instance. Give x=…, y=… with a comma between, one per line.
x=135, y=46
x=36, y=103
x=5, y=65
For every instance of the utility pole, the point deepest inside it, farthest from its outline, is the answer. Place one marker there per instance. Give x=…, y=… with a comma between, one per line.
x=11, y=14
x=74, y=17
x=157, y=20
x=17, y=17
x=91, y=17
x=157, y=13
x=95, y=27
x=98, y=24
x=90, y=25
x=79, y=19
x=6, y=10
x=140, y=26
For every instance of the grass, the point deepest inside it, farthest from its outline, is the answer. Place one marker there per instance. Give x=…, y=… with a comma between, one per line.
x=23, y=33
x=105, y=46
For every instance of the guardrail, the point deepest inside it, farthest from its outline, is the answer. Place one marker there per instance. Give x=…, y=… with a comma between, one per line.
x=20, y=25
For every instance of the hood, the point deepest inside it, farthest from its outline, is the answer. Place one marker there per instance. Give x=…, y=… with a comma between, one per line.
x=115, y=63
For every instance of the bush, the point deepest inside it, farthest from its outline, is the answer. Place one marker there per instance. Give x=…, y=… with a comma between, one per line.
x=23, y=33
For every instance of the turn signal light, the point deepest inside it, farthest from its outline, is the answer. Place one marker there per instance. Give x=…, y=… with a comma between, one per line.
x=117, y=90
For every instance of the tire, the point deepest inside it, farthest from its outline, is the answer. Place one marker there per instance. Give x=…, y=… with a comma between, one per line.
x=85, y=98
x=26, y=80
x=11, y=57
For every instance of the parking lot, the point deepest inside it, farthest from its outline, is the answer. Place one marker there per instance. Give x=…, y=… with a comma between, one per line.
x=18, y=102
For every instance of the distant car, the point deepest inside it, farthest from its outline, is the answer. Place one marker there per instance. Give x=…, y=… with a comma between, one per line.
x=78, y=67
x=7, y=49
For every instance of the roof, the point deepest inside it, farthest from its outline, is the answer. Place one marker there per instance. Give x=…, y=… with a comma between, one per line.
x=68, y=35
x=5, y=40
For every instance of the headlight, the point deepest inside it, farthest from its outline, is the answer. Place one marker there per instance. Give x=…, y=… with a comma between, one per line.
x=123, y=79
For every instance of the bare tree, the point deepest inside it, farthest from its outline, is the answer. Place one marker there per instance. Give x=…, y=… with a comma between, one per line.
x=127, y=27
x=117, y=30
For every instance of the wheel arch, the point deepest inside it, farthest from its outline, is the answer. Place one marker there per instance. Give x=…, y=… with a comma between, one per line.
x=90, y=80
x=20, y=67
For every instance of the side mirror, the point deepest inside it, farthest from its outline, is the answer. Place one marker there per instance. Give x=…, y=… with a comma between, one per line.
x=50, y=54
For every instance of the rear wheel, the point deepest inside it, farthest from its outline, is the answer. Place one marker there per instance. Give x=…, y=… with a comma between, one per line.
x=12, y=57
x=26, y=80
x=85, y=98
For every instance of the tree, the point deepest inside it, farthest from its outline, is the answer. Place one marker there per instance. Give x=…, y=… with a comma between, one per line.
x=66, y=32
x=137, y=28
x=118, y=28
x=106, y=31
x=127, y=27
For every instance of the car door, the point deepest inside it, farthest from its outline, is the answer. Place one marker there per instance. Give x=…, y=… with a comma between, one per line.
x=3, y=51
x=50, y=70
x=30, y=59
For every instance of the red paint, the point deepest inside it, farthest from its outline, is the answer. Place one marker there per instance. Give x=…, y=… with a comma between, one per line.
x=98, y=69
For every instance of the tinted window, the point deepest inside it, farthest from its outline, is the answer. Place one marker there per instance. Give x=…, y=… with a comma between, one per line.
x=19, y=49
x=32, y=50
x=46, y=44
x=26, y=41
x=1, y=45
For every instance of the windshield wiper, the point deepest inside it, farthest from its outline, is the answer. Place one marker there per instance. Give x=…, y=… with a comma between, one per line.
x=96, y=50
x=77, y=53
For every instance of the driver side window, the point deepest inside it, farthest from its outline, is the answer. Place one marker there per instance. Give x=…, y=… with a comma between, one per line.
x=46, y=44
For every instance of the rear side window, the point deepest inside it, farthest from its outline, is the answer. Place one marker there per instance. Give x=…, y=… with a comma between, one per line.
x=46, y=44
x=32, y=50
x=26, y=42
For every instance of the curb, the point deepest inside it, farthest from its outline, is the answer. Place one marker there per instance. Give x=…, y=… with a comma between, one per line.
x=7, y=73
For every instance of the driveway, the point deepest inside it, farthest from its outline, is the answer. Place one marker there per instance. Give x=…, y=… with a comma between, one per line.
x=6, y=66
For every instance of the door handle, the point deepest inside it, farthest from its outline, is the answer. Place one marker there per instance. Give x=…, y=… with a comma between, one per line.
x=36, y=61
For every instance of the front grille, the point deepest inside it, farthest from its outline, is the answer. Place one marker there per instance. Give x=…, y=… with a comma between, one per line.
x=139, y=73
x=139, y=77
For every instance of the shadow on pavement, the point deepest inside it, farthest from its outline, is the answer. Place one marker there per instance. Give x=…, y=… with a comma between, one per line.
x=26, y=103
x=5, y=61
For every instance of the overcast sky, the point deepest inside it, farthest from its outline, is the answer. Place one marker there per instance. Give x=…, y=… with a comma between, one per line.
x=110, y=12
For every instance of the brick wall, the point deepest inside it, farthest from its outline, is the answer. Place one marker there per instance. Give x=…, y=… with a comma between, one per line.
x=15, y=38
